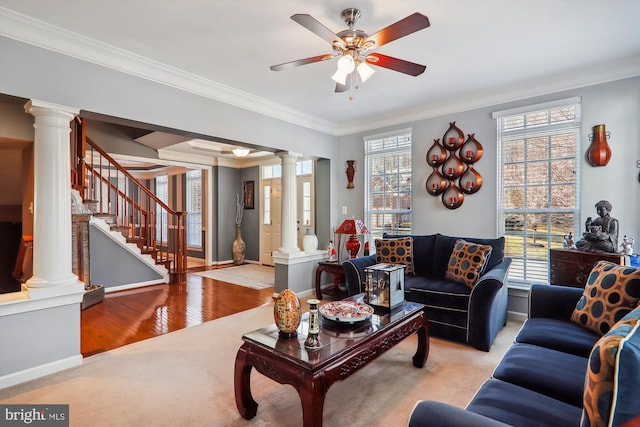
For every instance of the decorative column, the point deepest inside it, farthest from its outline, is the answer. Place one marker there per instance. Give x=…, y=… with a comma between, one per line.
x=52, y=252
x=289, y=238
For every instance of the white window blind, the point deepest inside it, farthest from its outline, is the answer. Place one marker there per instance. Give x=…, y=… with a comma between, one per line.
x=194, y=208
x=538, y=194
x=388, y=194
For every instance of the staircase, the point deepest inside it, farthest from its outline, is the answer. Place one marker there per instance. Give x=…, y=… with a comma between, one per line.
x=128, y=206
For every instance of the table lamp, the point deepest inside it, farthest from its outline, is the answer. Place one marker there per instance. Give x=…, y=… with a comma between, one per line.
x=353, y=227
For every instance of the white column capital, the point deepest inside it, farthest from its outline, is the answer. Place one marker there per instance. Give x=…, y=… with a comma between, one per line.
x=36, y=108
x=288, y=156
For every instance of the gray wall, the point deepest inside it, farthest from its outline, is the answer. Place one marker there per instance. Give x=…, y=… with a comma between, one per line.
x=112, y=265
x=36, y=338
x=251, y=217
x=614, y=104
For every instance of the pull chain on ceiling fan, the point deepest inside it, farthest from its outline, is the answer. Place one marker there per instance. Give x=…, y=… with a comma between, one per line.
x=353, y=47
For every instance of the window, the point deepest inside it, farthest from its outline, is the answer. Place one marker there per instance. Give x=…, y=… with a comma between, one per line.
x=538, y=168
x=388, y=193
x=162, y=191
x=194, y=208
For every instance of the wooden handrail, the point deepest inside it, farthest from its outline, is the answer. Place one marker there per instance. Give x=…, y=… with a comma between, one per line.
x=138, y=222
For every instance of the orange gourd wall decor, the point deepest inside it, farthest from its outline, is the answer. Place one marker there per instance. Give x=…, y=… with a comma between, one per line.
x=599, y=152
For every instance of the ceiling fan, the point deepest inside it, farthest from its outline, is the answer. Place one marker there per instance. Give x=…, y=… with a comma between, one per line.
x=354, y=47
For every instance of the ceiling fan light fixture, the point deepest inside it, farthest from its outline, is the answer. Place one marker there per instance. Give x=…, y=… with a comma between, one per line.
x=340, y=76
x=365, y=71
x=240, y=152
x=346, y=64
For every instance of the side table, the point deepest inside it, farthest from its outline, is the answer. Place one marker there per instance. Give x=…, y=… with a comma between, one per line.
x=570, y=267
x=337, y=270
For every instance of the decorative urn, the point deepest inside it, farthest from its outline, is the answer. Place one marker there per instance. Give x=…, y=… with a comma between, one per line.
x=286, y=313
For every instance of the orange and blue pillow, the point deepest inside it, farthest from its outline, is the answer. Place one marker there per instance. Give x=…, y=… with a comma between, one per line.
x=395, y=251
x=610, y=293
x=613, y=377
x=467, y=262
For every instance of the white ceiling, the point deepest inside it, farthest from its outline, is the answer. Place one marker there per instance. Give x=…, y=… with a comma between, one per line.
x=477, y=52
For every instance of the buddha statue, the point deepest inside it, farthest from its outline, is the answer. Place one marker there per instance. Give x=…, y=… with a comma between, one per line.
x=601, y=234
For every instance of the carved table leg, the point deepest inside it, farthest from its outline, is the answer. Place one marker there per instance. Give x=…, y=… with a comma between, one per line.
x=318, y=274
x=420, y=358
x=242, y=385
x=312, y=397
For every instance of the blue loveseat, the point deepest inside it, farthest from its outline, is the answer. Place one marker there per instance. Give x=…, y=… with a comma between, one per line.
x=541, y=378
x=455, y=311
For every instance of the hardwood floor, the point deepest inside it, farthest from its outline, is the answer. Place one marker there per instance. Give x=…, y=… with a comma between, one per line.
x=138, y=314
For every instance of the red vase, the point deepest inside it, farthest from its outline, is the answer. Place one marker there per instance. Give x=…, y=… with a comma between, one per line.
x=599, y=152
x=353, y=245
x=351, y=171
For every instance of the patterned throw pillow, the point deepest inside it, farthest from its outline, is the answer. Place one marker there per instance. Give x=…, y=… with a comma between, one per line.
x=613, y=376
x=395, y=251
x=610, y=293
x=467, y=262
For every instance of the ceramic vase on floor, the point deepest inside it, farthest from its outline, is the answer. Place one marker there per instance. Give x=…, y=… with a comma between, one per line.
x=238, y=247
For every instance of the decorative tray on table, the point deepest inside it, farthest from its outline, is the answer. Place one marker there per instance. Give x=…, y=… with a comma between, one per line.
x=346, y=312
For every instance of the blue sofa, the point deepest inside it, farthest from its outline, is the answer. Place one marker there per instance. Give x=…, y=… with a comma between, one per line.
x=455, y=311
x=541, y=378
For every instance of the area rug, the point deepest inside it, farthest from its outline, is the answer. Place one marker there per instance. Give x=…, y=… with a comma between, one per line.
x=248, y=275
x=185, y=378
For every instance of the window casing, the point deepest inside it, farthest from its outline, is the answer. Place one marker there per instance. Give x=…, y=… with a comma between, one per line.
x=538, y=184
x=388, y=194
x=194, y=208
x=162, y=192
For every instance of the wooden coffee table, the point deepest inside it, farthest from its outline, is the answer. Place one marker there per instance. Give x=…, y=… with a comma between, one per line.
x=343, y=352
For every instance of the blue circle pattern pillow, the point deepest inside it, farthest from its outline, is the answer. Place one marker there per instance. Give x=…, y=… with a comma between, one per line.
x=610, y=293
x=467, y=262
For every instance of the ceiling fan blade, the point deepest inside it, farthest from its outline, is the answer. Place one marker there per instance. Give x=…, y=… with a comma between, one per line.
x=396, y=64
x=300, y=62
x=403, y=27
x=346, y=86
x=313, y=25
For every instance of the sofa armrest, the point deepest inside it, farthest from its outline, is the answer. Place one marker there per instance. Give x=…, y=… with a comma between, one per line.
x=437, y=414
x=354, y=273
x=499, y=272
x=488, y=306
x=553, y=301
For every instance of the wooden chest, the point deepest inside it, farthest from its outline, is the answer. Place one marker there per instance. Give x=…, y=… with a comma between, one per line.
x=570, y=267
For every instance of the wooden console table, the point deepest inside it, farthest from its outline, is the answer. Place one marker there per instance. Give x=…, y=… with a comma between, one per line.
x=570, y=267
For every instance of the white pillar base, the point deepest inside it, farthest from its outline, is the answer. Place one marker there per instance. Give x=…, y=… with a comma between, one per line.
x=48, y=290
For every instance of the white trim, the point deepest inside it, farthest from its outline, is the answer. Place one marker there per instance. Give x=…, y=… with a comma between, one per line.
x=39, y=371
x=537, y=107
x=387, y=134
x=19, y=302
x=134, y=285
x=41, y=34
x=516, y=316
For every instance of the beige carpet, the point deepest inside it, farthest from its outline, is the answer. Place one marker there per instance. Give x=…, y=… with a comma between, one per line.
x=249, y=275
x=185, y=378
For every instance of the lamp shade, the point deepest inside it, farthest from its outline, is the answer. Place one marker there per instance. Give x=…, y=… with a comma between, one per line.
x=352, y=226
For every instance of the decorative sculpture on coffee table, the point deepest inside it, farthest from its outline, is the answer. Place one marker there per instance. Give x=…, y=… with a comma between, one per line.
x=601, y=234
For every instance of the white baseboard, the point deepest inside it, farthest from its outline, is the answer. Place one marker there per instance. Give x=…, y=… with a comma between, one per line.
x=518, y=317
x=134, y=285
x=39, y=371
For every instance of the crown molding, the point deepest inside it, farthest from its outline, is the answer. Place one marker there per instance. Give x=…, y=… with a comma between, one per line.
x=28, y=30
x=25, y=29
x=569, y=80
